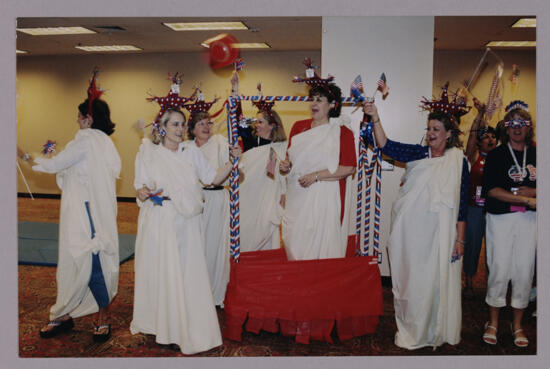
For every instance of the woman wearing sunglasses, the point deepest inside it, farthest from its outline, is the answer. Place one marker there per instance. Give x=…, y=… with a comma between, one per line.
x=509, y=185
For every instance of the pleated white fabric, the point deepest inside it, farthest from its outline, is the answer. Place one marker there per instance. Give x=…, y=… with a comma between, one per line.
x=86, y=171
x=260, y=195
x=172, y=297
x=311, y=220
x=426, y=285
x=215, y=219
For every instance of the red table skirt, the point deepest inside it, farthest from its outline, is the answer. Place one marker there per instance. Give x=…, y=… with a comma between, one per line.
x=303, y=298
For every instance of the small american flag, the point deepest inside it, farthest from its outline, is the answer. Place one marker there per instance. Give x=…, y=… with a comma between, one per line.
x=239, y=64
x=357, y=85
x=382, y=85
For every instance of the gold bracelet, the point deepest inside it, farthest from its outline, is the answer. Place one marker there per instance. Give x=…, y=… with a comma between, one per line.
x=376, y=121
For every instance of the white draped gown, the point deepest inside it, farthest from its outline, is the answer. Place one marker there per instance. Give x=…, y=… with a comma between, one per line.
x=259, y=196
x=172, y=296
x=311, y=222
x=215, y=219
x=87, y=170
x=426, y=284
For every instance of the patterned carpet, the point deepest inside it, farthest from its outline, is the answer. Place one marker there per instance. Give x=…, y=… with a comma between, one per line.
x=37, y=292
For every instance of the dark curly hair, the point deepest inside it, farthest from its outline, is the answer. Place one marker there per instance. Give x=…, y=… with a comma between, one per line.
x=333, y=94
x=101, y=115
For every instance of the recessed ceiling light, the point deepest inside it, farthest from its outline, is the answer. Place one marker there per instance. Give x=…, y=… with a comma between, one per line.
x=251, y=45
x=511, y=44
x=109, y=48
x=206, y=26
x=44, y=31
x=21, y=52
x=525, y=22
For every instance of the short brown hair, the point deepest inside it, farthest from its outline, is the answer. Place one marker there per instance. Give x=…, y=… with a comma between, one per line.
x=195, y=118
x=449, y=125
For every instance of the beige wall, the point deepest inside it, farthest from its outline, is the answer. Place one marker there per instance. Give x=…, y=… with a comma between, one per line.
x=456, y=66
x=49, y=90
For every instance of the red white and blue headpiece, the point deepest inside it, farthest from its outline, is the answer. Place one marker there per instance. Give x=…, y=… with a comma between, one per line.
x=93, y=91
x=312, y=78
x=199, y=105
x=517, y=104
x=453, y=109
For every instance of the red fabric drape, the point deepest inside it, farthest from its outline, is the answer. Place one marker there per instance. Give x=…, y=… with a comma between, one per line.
x=305, y=298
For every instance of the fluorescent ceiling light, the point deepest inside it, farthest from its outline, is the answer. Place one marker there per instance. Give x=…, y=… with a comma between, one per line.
x=251, y=45
x=21, y=52
x=525, y=22
x=512, y=44
x=206, y=26
x=44, y=31
x=109, y=48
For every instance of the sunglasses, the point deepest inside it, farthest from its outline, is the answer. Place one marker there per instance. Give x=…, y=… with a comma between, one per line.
x=517, y=123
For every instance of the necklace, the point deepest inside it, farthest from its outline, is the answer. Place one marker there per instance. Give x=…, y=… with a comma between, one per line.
x=521, y=170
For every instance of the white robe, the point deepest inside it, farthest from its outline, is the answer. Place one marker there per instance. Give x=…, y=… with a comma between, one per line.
x=426, y=285
x=86, y=171
x=172, y=296
x=311, y=222
x=215, y=219
x=259, y=198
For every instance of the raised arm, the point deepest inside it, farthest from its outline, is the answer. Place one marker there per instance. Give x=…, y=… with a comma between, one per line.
x=471, y=146
x=369, y=108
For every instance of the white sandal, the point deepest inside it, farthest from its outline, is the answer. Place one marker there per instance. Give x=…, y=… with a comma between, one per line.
x=519, y=341
x=490, y=338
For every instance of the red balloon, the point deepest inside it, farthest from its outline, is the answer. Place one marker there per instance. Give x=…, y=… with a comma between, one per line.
x=221, y=51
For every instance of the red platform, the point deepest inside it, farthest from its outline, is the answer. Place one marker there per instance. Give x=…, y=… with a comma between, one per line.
x=303, y=298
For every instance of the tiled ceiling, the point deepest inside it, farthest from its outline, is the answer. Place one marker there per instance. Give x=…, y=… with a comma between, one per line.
x=281, y=33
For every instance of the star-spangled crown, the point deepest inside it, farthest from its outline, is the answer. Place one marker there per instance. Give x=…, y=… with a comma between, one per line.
x=199, y=105
x=312, y=78
x=517, y=104
x=172, y=100
x=453, y=109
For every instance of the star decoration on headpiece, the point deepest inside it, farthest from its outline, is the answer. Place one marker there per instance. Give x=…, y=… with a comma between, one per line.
x=312, y=78
x=517, y=104
x=453, y=109
x=93, y=91
x=173, y=99
x=199, y=105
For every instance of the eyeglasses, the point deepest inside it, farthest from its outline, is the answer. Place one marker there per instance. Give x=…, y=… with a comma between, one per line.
x=519, y=123
x=203, y=124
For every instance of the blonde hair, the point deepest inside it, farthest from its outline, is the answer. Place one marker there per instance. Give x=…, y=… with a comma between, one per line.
x=157, y=137
x=278, y=131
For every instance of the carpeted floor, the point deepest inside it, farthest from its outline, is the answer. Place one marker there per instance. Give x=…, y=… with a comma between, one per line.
x=37, y=292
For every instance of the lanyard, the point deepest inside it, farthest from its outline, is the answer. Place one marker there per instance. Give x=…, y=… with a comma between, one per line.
x=521, y=170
